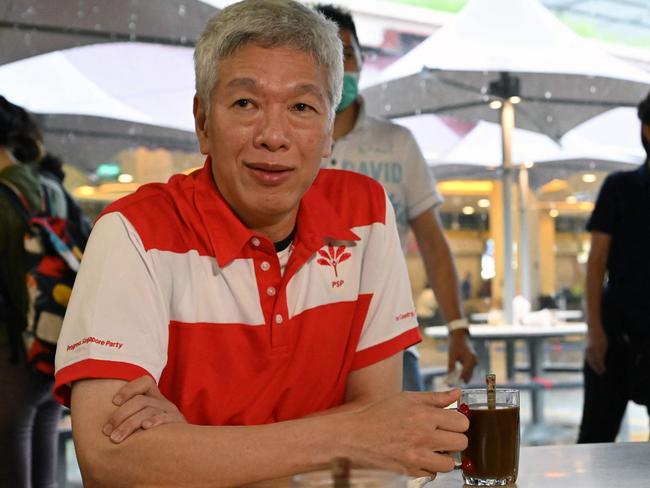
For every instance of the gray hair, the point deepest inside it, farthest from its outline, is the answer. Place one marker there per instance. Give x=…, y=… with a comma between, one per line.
x=269, y=23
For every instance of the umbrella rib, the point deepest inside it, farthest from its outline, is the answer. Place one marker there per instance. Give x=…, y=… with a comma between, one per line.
x=575, y=101
x=436, y=110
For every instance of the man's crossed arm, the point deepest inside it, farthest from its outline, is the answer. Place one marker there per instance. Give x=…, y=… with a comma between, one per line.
x=376, y=426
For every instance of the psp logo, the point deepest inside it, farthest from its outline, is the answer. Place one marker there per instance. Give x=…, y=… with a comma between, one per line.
x=333, y=257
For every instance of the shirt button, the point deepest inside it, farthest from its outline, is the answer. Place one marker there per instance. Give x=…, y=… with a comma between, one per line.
x=278, y=319
x=255, y=241
x=265, y=266
x=270, y=291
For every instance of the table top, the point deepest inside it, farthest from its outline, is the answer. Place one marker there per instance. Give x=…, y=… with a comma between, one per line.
x=575, y=466
x=558, y=314
x=506, y=331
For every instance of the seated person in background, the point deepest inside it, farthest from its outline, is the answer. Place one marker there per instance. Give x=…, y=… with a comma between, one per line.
x=269, y=300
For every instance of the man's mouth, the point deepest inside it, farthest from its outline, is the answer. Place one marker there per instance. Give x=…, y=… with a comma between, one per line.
x=270, y=173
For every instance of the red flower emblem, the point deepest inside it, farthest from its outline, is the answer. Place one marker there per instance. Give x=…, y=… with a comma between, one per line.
x=333, y=257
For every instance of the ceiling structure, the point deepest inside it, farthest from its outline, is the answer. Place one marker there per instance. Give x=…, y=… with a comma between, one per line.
x=31, y=27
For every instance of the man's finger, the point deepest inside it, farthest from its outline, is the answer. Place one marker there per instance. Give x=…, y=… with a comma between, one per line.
x=161, y=419
x=442, y=399
x=140, y=386
x=132, y=424
x=438, y=463
x=133, y=405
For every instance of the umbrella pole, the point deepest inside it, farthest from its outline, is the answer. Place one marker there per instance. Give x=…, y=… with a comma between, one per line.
x=507, y=124
x=524, y=249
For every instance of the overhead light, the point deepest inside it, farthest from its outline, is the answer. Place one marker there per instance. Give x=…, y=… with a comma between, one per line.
x=496, y=104
x=465, y=187
x=84, y=191
x=468, y=210
x=571, y=199
x=589, y=178
x=529, y=164
x=553, y=212
x=515, y=99
x=125, y=178
x=483, y=203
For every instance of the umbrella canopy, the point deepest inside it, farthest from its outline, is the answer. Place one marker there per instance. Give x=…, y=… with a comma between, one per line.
x=562, y=79
x=99, y=99
x=494, y=54
x=459, y=149
x=139, y=82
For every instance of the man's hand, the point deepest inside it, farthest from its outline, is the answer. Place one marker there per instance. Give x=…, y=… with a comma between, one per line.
x=141, y=406
x=408, y=431
x=596, y=349
x=462, y=351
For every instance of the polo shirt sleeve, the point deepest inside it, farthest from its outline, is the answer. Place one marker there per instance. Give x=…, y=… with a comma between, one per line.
x=391, y=323
x=116, y=324
x=604, y=216
x=420, y=183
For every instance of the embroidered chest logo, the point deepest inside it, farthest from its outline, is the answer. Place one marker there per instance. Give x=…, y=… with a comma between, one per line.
x=333, y=256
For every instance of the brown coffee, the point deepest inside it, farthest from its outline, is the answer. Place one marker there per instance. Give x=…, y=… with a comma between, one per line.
x=493, y=443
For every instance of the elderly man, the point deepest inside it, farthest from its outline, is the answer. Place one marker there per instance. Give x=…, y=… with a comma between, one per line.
x=268, y=300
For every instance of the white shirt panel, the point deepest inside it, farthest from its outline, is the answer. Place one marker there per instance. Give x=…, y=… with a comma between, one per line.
x=201, y=292
x=318, y=284
x=384, y=274
x=136, y=331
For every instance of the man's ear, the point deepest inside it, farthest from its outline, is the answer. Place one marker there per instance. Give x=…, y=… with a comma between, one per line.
x=201, y=125
x=329, y=142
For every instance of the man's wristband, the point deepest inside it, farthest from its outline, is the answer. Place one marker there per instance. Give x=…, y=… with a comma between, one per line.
x=458, y=324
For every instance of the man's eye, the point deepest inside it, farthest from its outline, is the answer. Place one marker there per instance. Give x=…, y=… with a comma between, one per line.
x=301, y=107
x=243, y=103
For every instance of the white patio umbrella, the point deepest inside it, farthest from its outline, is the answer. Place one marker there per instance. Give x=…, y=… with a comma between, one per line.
x=502, y=52
x=139, y=82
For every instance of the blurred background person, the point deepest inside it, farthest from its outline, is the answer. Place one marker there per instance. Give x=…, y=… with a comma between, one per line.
x=29, y=415
x=362, y=141
x=617, y=365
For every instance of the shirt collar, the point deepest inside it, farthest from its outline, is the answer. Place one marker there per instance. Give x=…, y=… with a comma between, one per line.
x=317, y=221
x=227, y=234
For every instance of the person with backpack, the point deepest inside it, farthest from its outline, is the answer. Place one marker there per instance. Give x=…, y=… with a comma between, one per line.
x=29, y=415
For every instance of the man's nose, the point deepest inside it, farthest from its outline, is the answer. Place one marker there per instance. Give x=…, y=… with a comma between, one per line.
x=273, y=131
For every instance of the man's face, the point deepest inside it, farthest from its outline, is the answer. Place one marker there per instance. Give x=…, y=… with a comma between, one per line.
x=352, y=60
x=266, y=132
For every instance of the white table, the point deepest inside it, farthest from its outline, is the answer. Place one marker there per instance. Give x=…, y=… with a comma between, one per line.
x=623, y=465
x=534, y=335
x=561, y=315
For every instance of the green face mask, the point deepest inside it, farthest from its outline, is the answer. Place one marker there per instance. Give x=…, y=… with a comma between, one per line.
x=350, y=90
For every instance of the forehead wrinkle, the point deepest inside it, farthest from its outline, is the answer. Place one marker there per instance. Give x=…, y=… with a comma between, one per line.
x=242, y=82
x=299, y=89
x=309, y=88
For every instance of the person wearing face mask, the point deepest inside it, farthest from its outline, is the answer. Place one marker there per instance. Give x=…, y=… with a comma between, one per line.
x=29, y=415
x=388, y=153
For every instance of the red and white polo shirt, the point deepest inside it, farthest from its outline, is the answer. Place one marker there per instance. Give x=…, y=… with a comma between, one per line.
x=173, y=285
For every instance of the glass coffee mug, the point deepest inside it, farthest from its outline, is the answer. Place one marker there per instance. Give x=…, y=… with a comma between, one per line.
x=359, y=478
x=492, y=454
